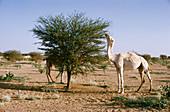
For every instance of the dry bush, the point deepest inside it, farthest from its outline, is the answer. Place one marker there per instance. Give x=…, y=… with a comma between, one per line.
x=35, y=56
x=13, y=55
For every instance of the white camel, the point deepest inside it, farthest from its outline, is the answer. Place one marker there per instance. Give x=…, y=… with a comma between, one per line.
x=127, y=61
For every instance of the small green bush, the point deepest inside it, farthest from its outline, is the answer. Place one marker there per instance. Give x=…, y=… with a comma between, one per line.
x=168, y=66
x=17, y=66
x=161, y=102
x=158, y=73
x=91, y=68
x=166, y=91
x=35, y=56
x=165, y=62
x=10, y=76
x=161, y=61
x=41, y=70
x=36, y=65
x=104, y=66
x=1, y=64
x=105, y=86
x=6, y=64
x=118, y=99
x=144, y=102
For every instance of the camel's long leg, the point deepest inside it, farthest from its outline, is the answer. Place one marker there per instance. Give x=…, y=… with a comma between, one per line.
x=58, y=75
x=61, y=72
x=48, y=70
x=62, y=77
x=47, y=73
x=122, y=81
x=50, y=74
x=142, y=81
x=48, y=77
x=118, y=77
x=150, y=80
x=61, y=80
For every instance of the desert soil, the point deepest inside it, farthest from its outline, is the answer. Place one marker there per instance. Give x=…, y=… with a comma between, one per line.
x=81, y=96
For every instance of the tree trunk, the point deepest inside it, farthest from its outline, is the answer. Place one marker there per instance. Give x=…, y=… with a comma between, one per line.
x=68, y=78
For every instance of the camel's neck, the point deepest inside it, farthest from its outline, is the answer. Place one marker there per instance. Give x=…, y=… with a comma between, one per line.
x=110, y=53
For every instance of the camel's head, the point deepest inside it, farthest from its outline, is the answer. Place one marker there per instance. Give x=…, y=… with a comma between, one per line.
x=110, y=40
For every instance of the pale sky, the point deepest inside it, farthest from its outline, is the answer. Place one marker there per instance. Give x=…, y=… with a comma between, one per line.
x=142, y=26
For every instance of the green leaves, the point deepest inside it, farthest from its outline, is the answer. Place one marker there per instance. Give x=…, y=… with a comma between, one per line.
x=73, y=39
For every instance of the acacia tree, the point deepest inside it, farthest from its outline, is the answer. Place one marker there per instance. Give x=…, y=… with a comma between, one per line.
x=74, y=40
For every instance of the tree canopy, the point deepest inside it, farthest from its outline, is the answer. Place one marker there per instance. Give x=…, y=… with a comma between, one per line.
x=74, y=40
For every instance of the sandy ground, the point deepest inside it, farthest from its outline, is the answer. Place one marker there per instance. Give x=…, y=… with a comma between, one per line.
x=81, y=96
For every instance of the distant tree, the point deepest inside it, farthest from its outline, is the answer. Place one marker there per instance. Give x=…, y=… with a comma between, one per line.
x=0, y=54
x=74, y=40
x=168, y=57
x=25, y=54
x=12, y=55
x=163, y=57
x=35, y=56
x=147, y=57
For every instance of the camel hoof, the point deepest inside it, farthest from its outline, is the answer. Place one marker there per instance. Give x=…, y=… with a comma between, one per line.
x=118, y=91
x=149, y=90
x=137, y=91
x=122, y=92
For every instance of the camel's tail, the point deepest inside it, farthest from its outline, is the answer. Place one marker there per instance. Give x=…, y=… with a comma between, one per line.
x=150, y=69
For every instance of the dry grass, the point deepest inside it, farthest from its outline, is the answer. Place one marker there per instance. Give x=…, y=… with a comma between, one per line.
x=87, y=93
